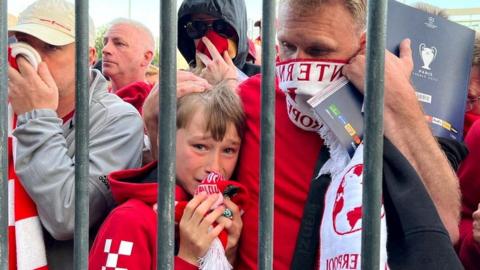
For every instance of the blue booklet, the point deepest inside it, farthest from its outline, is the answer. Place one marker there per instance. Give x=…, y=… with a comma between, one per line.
x=442, y=53
x=340, y=108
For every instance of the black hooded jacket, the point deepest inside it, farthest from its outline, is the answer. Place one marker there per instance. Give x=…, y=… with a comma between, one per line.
x=232, y=11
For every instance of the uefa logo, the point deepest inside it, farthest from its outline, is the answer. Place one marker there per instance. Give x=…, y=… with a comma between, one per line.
x=428, y=55
x=430, y=23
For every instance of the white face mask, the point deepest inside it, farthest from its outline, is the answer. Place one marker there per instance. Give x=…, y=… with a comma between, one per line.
x=300, y=79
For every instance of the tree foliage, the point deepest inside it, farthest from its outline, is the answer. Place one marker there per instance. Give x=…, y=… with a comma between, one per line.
x=100, y=32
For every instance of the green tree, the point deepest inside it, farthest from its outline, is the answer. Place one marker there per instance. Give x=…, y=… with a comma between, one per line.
x=100, y=31
x=156, y=57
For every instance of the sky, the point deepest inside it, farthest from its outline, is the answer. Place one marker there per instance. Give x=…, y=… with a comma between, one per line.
x=146, y=11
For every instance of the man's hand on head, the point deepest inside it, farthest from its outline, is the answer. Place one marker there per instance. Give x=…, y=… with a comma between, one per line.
x=150, y=118
x=29, y=90
x=187, y=83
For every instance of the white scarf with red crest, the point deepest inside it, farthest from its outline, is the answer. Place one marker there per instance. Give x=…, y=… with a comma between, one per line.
x=26, y=245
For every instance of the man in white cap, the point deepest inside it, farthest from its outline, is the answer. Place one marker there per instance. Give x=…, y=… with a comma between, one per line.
x=43, y=101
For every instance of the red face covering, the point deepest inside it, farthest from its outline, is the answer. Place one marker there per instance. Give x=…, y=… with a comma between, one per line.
x=220, y=43
x=11, y=60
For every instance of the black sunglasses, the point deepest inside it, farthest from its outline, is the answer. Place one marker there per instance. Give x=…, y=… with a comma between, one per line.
x=198, y=29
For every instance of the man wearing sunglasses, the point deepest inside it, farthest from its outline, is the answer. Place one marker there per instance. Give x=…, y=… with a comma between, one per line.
x=224, y=24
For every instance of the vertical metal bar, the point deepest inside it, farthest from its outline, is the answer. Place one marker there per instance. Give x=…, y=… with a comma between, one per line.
x=373, y=151
x=130, y=9
x=267, y=140
x=167, y=130
x=81, y=136
x=3, y=138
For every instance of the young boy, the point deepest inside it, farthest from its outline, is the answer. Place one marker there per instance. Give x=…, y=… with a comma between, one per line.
x=209, y=132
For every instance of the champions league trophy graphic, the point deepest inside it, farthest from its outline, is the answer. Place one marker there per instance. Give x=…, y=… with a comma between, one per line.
x=428, y=55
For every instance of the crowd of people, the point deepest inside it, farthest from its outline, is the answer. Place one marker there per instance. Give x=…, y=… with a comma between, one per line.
x=431, y=200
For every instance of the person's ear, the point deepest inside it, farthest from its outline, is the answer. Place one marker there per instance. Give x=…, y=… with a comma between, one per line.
x=92, y=55
x=363, y=41
x=148, y=57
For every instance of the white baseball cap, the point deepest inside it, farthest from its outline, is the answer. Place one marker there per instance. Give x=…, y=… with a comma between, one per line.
x=51, y=21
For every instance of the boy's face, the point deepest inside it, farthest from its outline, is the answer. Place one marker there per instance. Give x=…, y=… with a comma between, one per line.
x=198, y=154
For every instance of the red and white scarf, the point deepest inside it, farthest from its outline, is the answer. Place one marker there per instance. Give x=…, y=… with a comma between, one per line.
x=301, y=79
x=341, y=225
x=26, y=245
x=215, y=258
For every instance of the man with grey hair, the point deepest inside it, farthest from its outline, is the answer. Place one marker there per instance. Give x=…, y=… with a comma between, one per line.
x=43, y=102
x=128, y=51
x=317, y=197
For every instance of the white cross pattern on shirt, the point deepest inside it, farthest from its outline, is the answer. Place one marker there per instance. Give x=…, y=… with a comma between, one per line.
x=125, y=249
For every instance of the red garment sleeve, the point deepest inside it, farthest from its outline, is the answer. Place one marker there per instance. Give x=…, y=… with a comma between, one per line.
x=180, y=264
x=126, y=239
x=469, y=176
x=135, y=94
x=469, y=250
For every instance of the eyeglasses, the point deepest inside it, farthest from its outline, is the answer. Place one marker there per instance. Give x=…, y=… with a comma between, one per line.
x=198, y=29
x=471, y=101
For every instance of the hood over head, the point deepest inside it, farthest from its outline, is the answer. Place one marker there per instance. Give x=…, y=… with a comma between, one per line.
x=232, y=11
x=139, y=183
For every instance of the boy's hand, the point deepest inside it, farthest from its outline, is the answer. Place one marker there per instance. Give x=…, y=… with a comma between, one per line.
x=195, y=236
x=233, y=227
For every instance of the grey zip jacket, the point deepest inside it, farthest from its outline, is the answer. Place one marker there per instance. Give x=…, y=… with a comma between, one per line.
x=45, y=159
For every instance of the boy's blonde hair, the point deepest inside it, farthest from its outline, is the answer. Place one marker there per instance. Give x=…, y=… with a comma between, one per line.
x=219, y=106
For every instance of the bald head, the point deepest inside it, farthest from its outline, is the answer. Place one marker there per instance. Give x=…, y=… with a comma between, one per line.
x=128, y=51
x=138, y=29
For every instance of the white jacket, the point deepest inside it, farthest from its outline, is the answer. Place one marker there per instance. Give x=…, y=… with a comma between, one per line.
x=45, y=158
